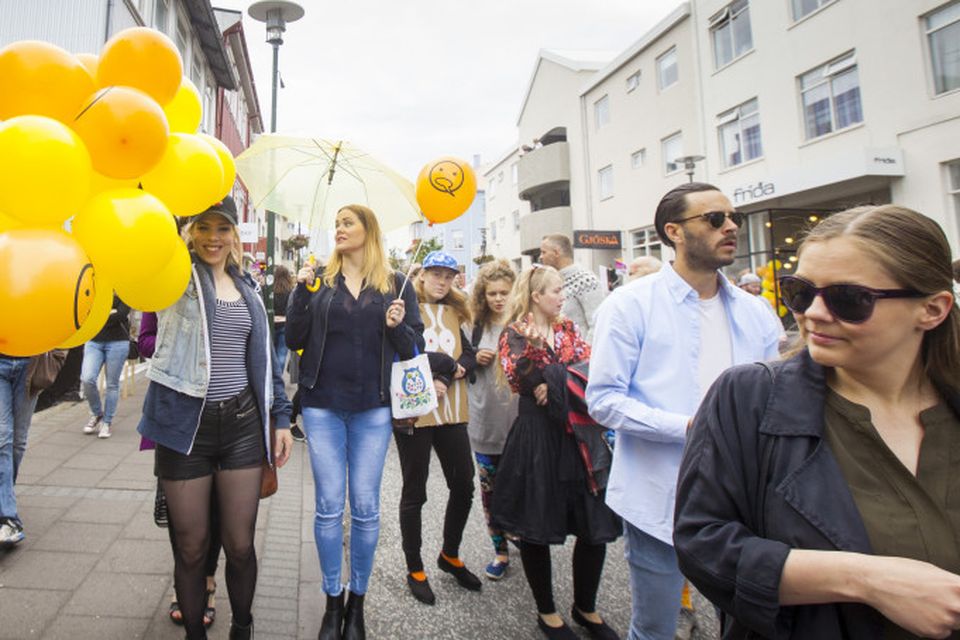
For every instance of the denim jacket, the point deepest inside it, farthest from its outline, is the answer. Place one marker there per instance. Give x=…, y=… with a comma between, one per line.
x=179, y=371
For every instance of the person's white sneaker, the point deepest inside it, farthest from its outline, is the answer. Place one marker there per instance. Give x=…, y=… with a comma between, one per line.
x=11, y=532
x=91, y=425
x=104, y=430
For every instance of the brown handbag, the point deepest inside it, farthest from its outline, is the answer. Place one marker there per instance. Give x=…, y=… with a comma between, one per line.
x=44, y=369
x=268, y=481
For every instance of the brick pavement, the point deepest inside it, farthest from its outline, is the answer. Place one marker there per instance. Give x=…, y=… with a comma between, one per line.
x=93, y=564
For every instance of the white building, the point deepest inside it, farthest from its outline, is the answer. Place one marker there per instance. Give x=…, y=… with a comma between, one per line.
x=797, y=107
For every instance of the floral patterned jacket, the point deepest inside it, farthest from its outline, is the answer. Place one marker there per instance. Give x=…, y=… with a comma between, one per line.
x=523, y=364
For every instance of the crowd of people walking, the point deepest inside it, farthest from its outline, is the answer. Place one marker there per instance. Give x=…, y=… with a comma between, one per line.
x=805, y=488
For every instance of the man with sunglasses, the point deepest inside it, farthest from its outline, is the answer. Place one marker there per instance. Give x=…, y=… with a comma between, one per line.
x=660, y=342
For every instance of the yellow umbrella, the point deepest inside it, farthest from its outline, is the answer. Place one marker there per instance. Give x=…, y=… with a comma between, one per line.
x=309, y=179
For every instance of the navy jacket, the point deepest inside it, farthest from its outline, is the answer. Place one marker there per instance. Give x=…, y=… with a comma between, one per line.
x=307, y=330
x=758, y=479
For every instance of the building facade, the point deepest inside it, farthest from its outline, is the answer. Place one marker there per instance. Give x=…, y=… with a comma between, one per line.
x=794, y=108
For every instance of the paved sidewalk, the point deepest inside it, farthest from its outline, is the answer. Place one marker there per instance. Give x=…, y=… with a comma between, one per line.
x=94, y=565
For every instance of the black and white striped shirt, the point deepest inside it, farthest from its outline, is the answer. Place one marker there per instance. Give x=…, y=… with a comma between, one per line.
x=228, y=350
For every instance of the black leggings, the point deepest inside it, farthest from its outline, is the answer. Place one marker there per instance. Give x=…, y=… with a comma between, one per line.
x=587, y=568
x=452, y=445
x=213, y=551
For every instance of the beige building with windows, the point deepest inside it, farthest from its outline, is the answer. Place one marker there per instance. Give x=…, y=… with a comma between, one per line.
x=794, y=108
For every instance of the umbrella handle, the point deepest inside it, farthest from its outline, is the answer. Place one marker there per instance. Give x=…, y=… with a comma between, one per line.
x=313, y=288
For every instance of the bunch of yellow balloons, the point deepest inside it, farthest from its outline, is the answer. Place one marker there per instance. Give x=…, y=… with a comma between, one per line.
x=109, y=142
x=771, y=288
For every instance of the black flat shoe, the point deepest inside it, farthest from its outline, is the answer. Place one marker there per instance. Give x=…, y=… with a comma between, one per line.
x=464, y=577
x=353, y=625
x=597, y=630
x=238, y=632
x=332, y=626
x=563, y=632
x=421, y=590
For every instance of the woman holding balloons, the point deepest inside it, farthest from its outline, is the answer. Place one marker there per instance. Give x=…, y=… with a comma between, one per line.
x=211, y=399
x=350, y=323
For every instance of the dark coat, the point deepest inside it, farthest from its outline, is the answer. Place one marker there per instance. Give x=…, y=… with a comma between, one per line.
x=757, y=480
x=307, y=330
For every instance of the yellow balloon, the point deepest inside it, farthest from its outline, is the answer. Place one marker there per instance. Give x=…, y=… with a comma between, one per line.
x=226, y=161
x=162, y=289
x=189, y=176
x=99, y=312
x=184, y=112
x=46, y=289
x=782, y=310
x=128, y=234
x=45, y=170
x=770, y=297
x=42, y=79
x=101, y=183
x=90, y=61
x=144, y=59
x=446, y=188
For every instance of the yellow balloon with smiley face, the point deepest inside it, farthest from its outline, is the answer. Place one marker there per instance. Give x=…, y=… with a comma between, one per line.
x=446, y=188
x=47, y=289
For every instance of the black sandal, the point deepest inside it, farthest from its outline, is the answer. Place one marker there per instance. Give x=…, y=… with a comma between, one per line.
x=175, y=609
x=210, y=611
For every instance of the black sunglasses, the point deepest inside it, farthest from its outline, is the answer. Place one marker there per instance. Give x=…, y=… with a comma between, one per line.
x=852, y=303
x=717, y=218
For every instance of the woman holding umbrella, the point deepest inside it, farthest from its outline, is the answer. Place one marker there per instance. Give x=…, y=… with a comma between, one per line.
x=350, y=329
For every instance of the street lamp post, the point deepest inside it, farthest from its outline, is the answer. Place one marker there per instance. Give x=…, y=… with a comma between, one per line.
x=276, y=14
x=689, y=165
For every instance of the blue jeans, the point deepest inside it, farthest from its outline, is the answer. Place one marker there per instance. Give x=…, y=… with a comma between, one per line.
x=280, y=350
x=339, y=440
x=95, y=355
x=656, y=584
x=16, y=409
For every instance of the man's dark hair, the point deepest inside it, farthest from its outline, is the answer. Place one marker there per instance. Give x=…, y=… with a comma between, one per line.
x=956, y=270
x=673, y=204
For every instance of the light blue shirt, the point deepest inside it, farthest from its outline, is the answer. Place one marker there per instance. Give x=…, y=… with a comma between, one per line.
x=643, y=383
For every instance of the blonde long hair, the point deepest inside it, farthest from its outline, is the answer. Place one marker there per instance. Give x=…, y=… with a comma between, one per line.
x=376, y=270
x=455, y=299
x=914, y=251
x=534, y=280
x=490, y=272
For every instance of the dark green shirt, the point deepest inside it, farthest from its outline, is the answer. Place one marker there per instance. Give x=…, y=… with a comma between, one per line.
x=905, y=515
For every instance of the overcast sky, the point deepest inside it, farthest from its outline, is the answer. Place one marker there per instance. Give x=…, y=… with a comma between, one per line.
x=410, y=80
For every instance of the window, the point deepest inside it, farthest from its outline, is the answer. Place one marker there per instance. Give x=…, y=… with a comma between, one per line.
x=667, y=73
x=739, y=131
x=802, y=8
x=601, y=111
x=637, y=158
x=161, y=14
x=672, y=149
x=196, y=68
x=943, y=35
x=730, y=31
x=605, y=182
x=456, y=239
x=493, y=232
x=831, y=96
x=633, y=81
x=516, y=221
x=646, y=242
x=181, y=37
x=514, y=175
x=500, y=177
x=953, y=188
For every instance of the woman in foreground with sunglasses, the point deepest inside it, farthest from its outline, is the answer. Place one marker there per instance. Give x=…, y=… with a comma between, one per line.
x=817, y=497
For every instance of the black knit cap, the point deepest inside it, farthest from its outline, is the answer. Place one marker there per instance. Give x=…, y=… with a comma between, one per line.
x=226, y=208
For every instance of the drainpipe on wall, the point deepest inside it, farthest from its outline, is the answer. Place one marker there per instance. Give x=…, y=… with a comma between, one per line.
x=106, y=29
x=588, y=182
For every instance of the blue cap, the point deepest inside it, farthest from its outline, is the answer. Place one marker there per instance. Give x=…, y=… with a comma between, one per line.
x=441, y=259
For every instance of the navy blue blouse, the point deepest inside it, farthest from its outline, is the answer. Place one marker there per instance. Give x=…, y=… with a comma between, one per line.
x=349, y=377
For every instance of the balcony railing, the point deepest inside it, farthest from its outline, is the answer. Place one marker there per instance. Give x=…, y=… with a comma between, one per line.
x=542, y=167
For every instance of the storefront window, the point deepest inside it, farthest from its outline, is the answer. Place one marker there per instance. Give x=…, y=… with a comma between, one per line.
x=646, y=242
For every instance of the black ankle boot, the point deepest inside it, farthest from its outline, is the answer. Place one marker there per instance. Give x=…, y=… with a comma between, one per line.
x=238, y=632
x=353, y=628
x=332, y=626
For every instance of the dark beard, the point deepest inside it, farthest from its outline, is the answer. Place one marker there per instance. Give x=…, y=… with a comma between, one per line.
x=701, y=256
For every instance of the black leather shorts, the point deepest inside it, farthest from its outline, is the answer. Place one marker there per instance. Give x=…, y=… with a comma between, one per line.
x=230, y=436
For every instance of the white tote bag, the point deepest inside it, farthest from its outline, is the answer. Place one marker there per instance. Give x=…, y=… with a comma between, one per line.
x=411, y=387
